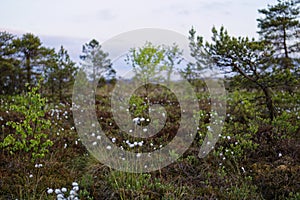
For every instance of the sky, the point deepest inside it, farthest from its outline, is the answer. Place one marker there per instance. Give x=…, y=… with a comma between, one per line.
x=72, y=23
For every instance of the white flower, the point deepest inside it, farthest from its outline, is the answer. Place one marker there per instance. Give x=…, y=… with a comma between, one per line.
x=98, y=137
x=280, y=154
x=74, y=184
x=228, y=137
x=209, y=128
x=38, y=165
x=135, y=143
x=108, y=147
x=243, y=169
x=142, y=119
x=57, y=191
x=136, y=120
x=60, y=197
x=141, y=143
x=113, y=140
x=75, y=188
x=30, y=175
x=94, y=143
x=49, y=191
x=131, y=145
x=64, y=189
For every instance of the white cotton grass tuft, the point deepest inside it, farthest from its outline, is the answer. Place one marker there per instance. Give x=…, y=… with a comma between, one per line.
x=136, y=120
x=60, y=197
x=64, y=189
x=57, y=191
x=38, y=165
x=131, y=145
x=50, y=191
x=74, y=184
x=141, y=143
x=73, y=194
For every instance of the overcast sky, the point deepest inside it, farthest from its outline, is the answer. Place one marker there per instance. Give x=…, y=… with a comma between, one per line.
x=74, y=22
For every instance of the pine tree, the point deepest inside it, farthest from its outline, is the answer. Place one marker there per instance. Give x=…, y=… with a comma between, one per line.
x=95, y=61
x=242, y=57
x=8, y=64
x=280, y=27
x=33, y=57
x=61, y=74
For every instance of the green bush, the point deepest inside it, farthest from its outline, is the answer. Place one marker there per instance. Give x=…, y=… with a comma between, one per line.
x=30, y=134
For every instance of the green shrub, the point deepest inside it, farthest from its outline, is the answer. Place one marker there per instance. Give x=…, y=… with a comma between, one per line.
x=30, y=134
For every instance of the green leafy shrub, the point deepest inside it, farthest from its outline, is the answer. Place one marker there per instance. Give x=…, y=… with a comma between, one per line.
x=30, y=133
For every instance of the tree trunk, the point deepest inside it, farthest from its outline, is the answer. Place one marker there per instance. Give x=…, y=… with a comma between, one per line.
x=60, y=90
x=28, y=69
x=269, y=102
x=286, y=53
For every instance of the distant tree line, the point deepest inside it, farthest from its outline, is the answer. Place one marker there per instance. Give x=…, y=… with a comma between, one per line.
x=26, y=60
